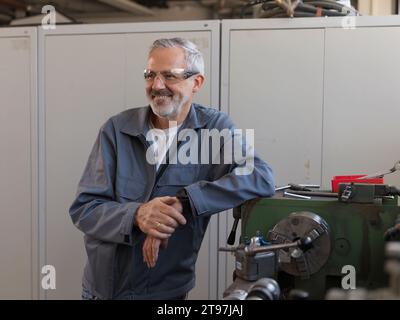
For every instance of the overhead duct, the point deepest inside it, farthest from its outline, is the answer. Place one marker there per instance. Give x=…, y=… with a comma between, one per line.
x=129, y=6
x=5, y=18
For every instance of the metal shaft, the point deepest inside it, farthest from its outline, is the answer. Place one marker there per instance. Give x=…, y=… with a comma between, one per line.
x=316, y=193
x=274, y=247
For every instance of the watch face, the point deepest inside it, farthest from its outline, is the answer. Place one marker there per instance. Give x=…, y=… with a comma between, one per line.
x=181, y=193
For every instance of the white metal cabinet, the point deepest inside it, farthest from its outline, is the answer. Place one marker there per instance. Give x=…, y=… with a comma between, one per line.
x=362, y=101
x=285, y=111
x=18, y=172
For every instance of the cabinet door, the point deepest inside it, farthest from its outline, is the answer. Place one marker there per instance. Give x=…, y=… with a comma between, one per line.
x=275, y=87
x=361, y=110
x=91, y=73
x=18, y=147
x=83, y=86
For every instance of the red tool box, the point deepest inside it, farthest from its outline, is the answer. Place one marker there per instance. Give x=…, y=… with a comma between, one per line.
x=353, y=178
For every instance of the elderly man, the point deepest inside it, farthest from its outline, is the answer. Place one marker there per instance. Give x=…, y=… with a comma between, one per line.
x=153, y=180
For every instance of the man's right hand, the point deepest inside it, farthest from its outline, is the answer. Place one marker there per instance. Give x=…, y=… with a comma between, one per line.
x=151, y=247
x=160, y=217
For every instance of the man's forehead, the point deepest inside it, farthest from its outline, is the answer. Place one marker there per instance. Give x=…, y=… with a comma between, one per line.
x=167, y=57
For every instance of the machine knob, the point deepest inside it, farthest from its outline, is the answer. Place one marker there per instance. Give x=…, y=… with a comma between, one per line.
x=264, y=289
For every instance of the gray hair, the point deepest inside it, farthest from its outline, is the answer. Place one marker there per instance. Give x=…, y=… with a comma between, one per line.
x=194, y=58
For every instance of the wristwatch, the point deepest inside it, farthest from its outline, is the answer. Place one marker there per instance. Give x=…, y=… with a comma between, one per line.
x=184, y=199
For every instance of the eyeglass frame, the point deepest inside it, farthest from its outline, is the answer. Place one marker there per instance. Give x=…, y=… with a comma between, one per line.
x=184, y=75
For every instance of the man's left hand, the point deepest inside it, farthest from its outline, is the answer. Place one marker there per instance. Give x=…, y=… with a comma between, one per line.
x=151, y=245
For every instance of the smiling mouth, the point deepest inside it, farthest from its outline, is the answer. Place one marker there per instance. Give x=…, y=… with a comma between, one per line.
x=161, y=96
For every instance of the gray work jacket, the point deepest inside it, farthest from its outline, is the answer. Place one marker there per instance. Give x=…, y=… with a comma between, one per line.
x=118, y=179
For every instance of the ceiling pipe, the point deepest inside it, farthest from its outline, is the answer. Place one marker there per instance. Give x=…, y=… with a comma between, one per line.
x=5, y=18
x=129, y=6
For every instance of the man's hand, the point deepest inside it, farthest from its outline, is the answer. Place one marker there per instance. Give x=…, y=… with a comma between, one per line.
x=151, y=248
x=160, y=217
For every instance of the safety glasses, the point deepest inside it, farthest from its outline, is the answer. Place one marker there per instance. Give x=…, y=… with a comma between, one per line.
x=169, y=76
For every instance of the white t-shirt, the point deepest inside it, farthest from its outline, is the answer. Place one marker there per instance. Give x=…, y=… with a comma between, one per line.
x=162, y=140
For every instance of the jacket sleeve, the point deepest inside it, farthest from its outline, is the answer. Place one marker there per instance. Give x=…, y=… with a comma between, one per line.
x=95, y=211
x=229, y=185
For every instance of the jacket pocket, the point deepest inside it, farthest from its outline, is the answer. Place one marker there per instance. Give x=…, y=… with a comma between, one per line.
x=179, y=175
x=129, y=189
x=174, y=178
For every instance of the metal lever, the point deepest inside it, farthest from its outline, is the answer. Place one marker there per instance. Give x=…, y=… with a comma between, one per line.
x=274, y=247
x=232, y=235
x=298, y=187
x=303, y=244
x=395, y=168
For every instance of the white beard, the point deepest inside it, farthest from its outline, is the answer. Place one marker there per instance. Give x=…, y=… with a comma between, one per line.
x=167, y=107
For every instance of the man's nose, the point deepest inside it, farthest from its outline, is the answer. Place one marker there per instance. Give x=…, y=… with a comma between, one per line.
x=158, y=83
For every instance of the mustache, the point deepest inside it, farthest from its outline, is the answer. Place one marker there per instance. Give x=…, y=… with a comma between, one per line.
x=162, y=92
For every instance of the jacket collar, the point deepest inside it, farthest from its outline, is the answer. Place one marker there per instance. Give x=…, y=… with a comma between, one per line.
x=138, y=122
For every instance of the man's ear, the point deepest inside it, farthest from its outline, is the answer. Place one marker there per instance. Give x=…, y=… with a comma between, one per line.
x=198, y=82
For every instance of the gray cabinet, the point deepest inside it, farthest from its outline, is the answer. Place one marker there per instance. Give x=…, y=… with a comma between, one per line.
x=362, y=101
x=275, y=80
x=18, y=165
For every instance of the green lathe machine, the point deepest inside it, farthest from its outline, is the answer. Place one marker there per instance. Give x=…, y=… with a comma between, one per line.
x=304, y=244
